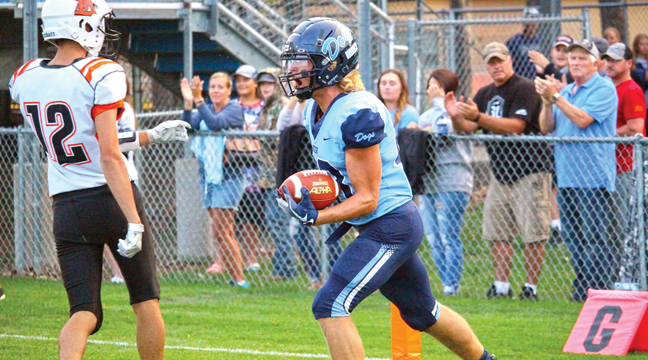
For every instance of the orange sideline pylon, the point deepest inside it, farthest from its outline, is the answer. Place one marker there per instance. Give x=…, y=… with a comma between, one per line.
x=405, y=341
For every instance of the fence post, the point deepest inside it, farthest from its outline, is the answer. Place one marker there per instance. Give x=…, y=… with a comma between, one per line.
x=37, y=239
x=625, y=22
x=390, y=32
x=187, y=41
x=452, y=36
x=587, y=33
x=19, y=208
x=411, y=60
x=30, y=30
x=364, y=42
x=639, y=150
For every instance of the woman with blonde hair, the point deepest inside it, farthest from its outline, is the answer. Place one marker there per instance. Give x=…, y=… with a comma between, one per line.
x=222, y=184
x=393, y=92
x=612, y=35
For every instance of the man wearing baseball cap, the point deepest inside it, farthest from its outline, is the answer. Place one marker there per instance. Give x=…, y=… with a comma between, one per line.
x=586, y=171
x=631, y=117
x=559, y=65
x=518, y=197
x=520, y=44
x=602, y=46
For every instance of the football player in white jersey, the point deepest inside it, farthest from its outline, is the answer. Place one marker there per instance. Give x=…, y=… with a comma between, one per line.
x=72, y=104
x=353, y=138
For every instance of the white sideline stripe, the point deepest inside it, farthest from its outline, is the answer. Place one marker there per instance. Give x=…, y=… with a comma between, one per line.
x=193, y=348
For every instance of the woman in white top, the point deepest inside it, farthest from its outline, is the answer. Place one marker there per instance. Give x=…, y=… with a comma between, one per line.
x=449, y=187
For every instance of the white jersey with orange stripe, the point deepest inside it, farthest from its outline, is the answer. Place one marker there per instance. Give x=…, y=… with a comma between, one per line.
x=60, y=104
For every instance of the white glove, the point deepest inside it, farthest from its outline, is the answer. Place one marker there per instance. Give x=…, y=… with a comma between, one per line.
x=133, y=243
x=169, y=131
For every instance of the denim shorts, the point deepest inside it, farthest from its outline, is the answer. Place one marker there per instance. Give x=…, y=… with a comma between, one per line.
x=227, y=194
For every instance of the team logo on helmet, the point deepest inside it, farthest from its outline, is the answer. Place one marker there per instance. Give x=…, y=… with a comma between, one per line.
x=85, y=7
x=332, y=46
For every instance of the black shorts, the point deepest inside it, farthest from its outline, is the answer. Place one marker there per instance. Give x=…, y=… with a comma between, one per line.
x=252, y=207
x=85, y=220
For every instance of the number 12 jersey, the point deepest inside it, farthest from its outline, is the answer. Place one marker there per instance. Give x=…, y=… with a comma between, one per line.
x=60, y=104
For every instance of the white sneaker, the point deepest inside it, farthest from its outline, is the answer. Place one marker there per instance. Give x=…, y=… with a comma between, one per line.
x=253, y=267
x=450, y=290
x=117, y=280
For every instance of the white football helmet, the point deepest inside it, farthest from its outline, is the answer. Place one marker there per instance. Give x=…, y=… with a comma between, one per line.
x=83, y=21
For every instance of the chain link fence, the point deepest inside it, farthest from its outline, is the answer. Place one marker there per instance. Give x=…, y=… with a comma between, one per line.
x=457, y=43
x=270, y=249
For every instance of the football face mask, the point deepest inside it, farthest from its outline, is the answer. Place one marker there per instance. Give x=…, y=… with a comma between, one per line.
x=298, y=77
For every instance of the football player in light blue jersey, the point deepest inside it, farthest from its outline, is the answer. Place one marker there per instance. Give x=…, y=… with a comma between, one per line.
x=353, y=138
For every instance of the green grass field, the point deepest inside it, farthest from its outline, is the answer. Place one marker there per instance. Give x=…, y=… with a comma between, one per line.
x=206, y=321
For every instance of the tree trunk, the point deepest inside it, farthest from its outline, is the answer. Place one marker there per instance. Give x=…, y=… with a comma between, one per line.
x=613, y=16
x=462, y=53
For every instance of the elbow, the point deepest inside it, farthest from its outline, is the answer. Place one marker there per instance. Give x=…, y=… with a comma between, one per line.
x=584, y=124
x=369, y=203
x=545, y=128
x=636, y=129
x=518, y=129
x=111, y=158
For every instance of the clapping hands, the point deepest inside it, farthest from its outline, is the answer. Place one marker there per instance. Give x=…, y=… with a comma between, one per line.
x=549, y=86
x=192, y=91
x=465, y=108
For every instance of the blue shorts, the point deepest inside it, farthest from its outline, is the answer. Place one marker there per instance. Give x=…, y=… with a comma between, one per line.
x=225, y=195
x=383, y=257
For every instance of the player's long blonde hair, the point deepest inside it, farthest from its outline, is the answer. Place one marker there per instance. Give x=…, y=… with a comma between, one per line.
x=350, y=83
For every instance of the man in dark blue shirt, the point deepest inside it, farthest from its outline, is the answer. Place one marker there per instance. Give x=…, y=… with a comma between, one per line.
x=520, y=44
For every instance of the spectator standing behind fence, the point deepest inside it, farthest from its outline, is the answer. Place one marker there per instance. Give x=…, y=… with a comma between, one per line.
x=631, y=117
x=586, y=171
x=612, y=35
x=277, y=220
x=518, y=198
x=443, y=208
x=640, y=67
x=221, y=185
x=250, y=217
x=393, y=92
x=274, y=100
x=560, y=70
x=520, y=44
x=559, y=65
x=602, y=46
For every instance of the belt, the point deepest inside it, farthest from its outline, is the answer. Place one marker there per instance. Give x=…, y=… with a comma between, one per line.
x=338, y=233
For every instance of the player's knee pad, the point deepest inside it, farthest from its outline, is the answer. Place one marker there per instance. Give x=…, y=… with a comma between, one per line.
x=95, y=309
x=419, y=318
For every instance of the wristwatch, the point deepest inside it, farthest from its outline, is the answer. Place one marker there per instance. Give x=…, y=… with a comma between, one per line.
x=475, y=120
x=555, y=97
x=199, y=102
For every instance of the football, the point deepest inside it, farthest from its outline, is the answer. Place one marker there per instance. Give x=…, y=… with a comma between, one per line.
x=324, y=190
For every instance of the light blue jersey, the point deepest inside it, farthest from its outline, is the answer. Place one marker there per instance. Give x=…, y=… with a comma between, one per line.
x=358, y=120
